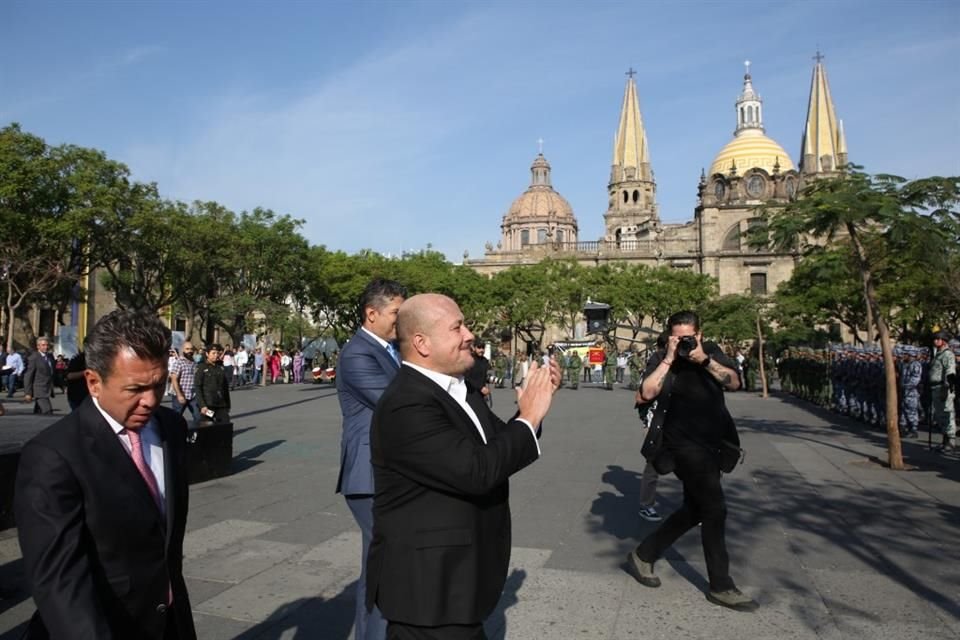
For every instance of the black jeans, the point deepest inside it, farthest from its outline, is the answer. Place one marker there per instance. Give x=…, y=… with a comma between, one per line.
x=703, y=502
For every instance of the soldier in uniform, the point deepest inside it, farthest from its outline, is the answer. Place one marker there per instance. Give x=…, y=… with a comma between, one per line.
x=911, y=374
x=636, y=365
x=574, y=364
x=610, y=367
x=943, y=371
x=499, y=368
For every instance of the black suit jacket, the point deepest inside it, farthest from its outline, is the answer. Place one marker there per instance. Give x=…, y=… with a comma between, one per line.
x=441, y=530
x=99, y=556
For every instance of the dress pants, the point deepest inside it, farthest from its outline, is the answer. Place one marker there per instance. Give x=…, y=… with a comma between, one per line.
x=368, y=625
x=42, y=406
x=399, y=631
x=703, y=503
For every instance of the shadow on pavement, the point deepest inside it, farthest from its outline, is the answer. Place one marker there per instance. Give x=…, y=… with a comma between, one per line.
x=276, y=407
x=248, y=459
x=496, y=625
x=307, y=619
x=804, y=529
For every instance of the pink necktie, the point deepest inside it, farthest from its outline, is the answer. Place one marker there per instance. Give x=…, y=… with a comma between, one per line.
x=137, y=454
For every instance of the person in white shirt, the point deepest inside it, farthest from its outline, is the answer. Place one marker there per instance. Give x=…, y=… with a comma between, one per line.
x=240, y=366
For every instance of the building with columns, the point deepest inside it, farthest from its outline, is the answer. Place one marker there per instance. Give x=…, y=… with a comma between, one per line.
x=750, y=170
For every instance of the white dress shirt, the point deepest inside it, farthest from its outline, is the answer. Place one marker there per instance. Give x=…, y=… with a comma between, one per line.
x=149, y=442
x=457, y=389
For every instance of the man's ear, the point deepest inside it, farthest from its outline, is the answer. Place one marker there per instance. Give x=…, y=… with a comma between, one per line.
x=421, y=344
x=94, y=382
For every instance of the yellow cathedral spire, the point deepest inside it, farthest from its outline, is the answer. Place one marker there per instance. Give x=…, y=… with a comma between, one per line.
x=824, y=147
x=632, y=189
x=631, y=159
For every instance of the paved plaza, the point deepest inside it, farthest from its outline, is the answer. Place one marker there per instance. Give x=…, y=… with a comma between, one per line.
x=829, y=542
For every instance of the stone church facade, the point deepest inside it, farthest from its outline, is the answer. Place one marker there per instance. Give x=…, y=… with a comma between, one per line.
x=751, y=170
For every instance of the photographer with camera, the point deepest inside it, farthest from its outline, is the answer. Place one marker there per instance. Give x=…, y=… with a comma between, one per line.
x=689, y=377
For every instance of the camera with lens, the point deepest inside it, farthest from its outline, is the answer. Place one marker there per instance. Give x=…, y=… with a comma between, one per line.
x=685, y=345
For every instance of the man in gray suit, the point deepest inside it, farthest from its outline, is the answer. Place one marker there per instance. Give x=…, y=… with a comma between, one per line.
x=38, y=379
x=367, y=364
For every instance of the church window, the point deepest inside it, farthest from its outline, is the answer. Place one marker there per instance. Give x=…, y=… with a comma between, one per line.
x=524, y=237
x=749, y=114
x=541, y=236
x=560, y=236
x=732, y=240
x=743, y=116
x=636, y=196
x=619, y=234
x=626, y=197
x=758, y=284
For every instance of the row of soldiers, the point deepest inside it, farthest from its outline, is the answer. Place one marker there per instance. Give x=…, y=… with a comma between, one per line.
x=850, y=381
x=574, y=366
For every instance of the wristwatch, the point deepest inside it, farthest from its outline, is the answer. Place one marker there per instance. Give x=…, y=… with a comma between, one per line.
x=706, y=363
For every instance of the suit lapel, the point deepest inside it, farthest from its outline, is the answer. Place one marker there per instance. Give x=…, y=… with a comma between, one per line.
x=379, y=352
x=475, y=400
x=105, y=445
x=465, y=423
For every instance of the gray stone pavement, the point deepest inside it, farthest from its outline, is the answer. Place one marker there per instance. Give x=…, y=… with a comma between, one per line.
x=829, y=542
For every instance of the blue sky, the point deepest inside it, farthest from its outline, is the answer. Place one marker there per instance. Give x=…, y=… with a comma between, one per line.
x=391, y=125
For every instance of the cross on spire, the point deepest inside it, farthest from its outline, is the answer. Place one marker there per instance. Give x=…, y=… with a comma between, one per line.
x=630, y=73
x=818, y=57
x=746, y=63
x=540, y=144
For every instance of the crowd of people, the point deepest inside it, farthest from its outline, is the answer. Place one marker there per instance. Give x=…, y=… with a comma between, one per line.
x=850, y=381
x=37, y=374
x=424, y=468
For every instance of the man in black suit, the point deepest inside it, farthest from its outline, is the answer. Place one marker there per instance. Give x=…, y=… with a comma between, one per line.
x=101, y=498
x=442, y=459
x=38, y=378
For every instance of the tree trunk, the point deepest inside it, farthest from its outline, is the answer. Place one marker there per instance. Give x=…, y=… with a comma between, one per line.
x=866, y=296
x=894, y=451
x=763, y=368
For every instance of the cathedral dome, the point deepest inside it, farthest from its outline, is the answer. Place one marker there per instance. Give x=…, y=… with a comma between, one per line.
x=540, y=200
x=751, y=149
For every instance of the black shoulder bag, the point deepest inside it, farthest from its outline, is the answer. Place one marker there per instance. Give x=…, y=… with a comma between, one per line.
x=653, y=449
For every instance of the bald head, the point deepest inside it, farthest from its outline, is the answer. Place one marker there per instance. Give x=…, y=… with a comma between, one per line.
x=431, y=333
x=418, y=315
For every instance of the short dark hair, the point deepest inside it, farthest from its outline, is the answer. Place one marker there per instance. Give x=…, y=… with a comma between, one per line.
x=378, y=295
x=684, y=317
x=139, y=331
x=216, y=346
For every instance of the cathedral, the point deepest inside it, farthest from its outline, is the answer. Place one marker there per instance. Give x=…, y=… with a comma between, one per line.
x=751, y=170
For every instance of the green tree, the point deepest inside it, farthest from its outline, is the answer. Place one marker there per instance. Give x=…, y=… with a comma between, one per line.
x=266, y=259
x=522, y=300
x=881, y=209
x=824, y=288
x=50, y=200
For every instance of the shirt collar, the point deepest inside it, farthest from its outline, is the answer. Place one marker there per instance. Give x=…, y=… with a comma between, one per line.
x=447, y=383
x=116, y=426
x=380, y=341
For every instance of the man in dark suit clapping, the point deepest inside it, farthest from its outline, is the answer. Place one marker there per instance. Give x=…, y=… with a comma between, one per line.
x=101, y=498
x=442, y=459
x=367, y=365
